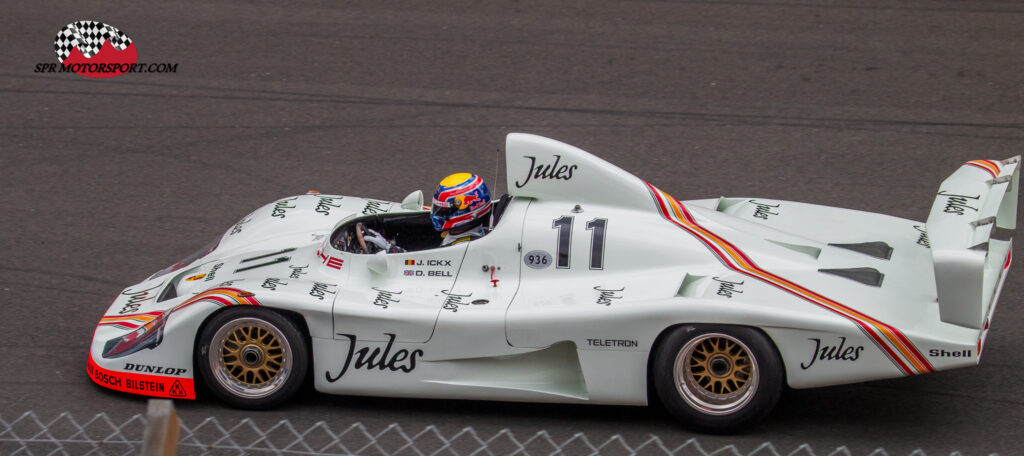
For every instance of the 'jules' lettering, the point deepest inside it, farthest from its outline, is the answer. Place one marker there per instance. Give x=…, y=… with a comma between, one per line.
x=400, y=361
x=213, y=272
x=727, y=288
x=452, y=301
x=325, y=203
x=832, y=352
x=375, y=207
x=922, y=237
x=281, y=207
x=605, y=295
x=549, y=171
x=384, y=297
x=135, y=300
x=271, y=284
x=298, y=271
x=763, y=210
x=237, y=228
x=320, y=290
x=958, y=204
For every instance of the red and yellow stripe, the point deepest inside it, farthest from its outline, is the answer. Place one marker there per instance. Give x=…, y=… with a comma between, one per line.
x=896, y=346
x=989, y=166
x=220, y=296
x=223, y=297
x=130, y=321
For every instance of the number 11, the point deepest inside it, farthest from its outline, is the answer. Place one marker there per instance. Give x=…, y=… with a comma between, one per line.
x=598, y=227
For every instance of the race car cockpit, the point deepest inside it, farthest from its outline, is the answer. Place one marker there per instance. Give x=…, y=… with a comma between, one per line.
x=398, y=232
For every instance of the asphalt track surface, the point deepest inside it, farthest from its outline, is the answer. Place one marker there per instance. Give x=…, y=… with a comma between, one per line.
x=859, y=104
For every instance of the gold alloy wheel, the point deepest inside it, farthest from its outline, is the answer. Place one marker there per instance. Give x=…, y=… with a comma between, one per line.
x=716, y=373
x=250, y=357
x=720, y=366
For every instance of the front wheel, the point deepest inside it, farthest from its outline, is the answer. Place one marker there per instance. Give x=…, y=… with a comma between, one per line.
x=718, y=378
x=252, y=358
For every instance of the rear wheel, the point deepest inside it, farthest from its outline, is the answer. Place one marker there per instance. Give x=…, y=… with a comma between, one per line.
x=718, y=378
x=252, y=358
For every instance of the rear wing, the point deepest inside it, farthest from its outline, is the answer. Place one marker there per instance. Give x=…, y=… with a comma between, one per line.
x=969, y=265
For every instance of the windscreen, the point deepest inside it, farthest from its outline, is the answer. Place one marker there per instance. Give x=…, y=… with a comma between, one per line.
x=189, y=259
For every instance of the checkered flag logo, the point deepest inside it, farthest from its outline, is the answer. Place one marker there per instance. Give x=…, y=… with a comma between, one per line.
x=88, y=37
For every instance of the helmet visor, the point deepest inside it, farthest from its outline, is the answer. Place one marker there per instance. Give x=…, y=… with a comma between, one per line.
x=441, y=211
x=439, y=215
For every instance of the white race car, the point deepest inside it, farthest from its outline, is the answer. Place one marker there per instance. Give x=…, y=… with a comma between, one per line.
x=590, y=287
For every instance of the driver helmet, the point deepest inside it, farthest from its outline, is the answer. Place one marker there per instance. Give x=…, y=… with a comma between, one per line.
x=461, y=201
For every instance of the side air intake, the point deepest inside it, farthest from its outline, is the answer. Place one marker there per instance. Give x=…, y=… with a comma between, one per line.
x=867, y=276
x=878, y=250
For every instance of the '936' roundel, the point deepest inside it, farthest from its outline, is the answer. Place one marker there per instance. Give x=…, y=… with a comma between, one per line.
x=92, y=49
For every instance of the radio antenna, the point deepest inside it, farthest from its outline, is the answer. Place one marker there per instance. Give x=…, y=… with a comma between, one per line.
x=497, y=163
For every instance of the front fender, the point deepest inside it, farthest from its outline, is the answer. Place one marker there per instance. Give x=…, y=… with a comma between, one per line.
x=151, y=353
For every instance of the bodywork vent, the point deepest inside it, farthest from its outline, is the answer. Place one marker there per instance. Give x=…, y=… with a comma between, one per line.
x=878, y=250
x=724, y=204
x=808, y=250
x=689, y=286
x=867, y=276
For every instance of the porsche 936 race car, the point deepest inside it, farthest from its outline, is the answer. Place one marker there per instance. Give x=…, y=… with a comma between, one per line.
x=592, y=286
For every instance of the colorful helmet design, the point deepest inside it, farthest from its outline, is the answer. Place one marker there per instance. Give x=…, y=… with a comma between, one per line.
x=461, y=200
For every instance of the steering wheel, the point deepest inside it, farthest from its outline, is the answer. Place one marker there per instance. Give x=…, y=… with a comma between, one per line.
x=359, y=237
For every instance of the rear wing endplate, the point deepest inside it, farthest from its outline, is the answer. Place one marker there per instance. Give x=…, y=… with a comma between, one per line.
x=969, y=265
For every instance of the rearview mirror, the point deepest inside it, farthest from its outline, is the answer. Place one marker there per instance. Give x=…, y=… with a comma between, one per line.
x=378, y=262
x=414, y=201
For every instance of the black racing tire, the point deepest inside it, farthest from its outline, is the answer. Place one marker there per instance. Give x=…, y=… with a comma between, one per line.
x=252, y=358
x=716, y=378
